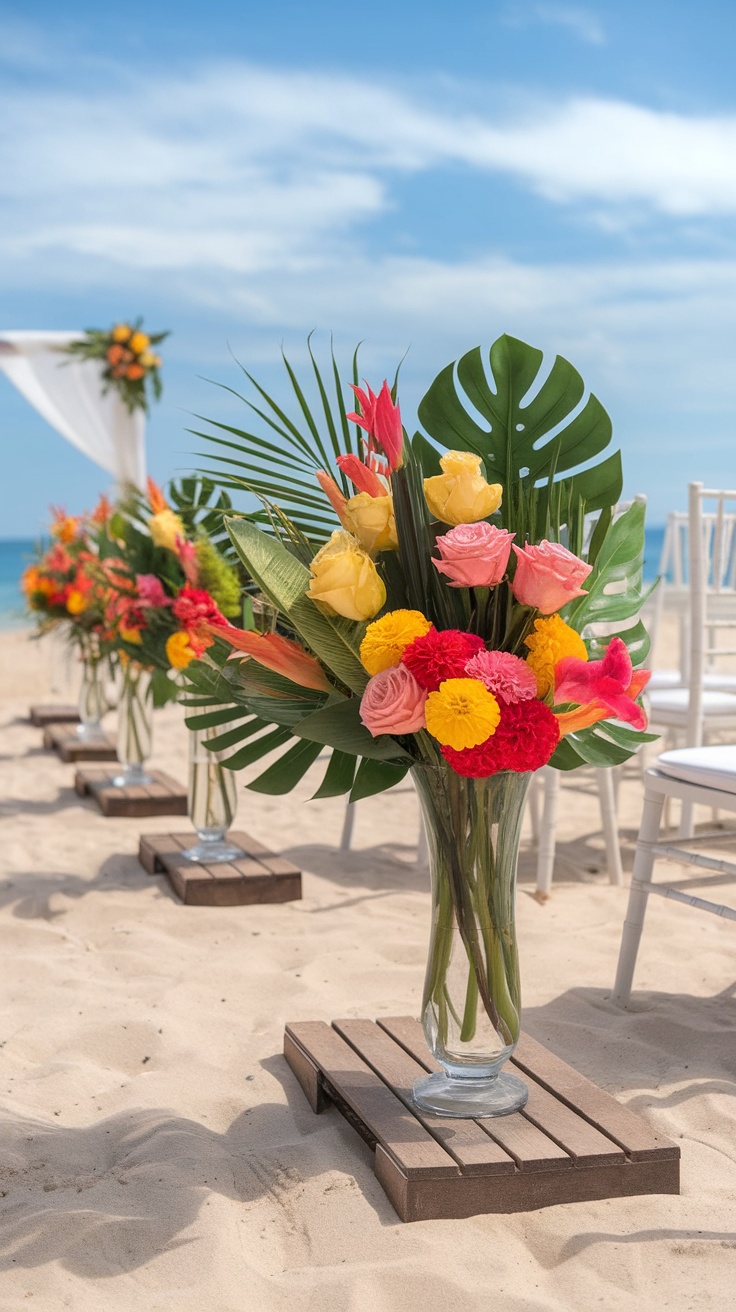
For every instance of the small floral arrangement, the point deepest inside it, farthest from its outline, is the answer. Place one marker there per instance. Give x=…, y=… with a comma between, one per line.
x=130, y=363
x=448, y=617
x=166, y=583
x=64, y=586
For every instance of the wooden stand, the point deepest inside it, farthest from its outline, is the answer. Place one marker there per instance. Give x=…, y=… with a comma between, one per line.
x=43, y=715
x=163, y=796
x=571, y=1143
x=64, y=739
x=257, y=876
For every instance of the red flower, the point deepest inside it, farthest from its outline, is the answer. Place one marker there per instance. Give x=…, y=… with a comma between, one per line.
x=525, y=738
x=440, y=655
x=194, y=608
x=381, y=419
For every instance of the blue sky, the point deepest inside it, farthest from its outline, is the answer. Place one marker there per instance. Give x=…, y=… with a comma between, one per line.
x=410, y=175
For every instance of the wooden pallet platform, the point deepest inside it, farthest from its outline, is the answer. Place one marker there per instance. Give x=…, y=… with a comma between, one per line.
x=257, y=876
x=163, y=796
x=50, y=714
x=64, y=739
x=571, y=1143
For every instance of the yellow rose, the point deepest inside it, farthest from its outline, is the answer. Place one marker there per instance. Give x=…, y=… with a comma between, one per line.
x=179, y=650
x=76, y=602
x=371, y=521
x=165, y=528
x=121, y=332
x=139, y=342
x=460, y=494
x=131, y=635
x=345, y=580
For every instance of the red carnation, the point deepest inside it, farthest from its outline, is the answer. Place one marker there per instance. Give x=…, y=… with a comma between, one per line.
x=439, y=655
x=525, y=739
x=195, y=609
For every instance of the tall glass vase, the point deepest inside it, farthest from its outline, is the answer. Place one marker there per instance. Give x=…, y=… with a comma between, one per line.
x=212, y=801
x=92, y=702
x=135, y=726
x=472, y=1001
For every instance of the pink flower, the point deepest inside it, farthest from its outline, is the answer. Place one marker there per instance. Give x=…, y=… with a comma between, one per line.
x=187, y=554
x=150, y=590
x=393, y=702
x=548, y=576
x=361, y=475
x=381, y=420
x=507, y=677
x=604, y=690
x=474, y=555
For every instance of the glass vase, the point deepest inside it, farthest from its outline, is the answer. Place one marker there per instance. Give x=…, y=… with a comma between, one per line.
x=472, y=1001
x=135, y=726
x=212, y=801
x=92, y=702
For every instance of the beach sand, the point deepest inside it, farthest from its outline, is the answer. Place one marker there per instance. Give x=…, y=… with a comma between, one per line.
x=157, y=1152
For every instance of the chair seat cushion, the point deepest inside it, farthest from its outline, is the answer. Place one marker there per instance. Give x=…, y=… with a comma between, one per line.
x=673, y=679
x=675, y=701
x=709, y=767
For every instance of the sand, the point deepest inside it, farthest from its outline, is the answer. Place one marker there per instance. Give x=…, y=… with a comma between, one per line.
x=157, y=1153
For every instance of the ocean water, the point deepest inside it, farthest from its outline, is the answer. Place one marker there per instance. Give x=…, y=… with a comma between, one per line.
x=15, y=554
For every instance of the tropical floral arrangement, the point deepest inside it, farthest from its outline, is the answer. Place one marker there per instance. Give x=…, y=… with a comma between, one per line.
x=130, y=364
x=439, y=597
x=65, y=586
x=165, y=580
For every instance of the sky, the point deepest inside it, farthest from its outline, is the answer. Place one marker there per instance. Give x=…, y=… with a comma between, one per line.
x=414, y=176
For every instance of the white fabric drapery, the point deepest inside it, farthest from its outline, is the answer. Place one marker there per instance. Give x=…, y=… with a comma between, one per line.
x=68, y=392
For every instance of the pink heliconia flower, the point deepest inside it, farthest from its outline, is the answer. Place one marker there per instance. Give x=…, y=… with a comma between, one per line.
x=381, y=419
x=474, y=555
x=364, y=478
x=150, y=590
x=506, y=676
x=187, y=554
x=604, y=690
x=393, y=702
x=548, y=576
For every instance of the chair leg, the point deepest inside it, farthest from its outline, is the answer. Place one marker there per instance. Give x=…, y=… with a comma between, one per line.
x=687, y=820
x=347, y=827
x=609, y=819
x=548, y=832
x=638, y=896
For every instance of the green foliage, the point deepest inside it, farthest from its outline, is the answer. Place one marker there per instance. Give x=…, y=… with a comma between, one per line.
x=216, y=576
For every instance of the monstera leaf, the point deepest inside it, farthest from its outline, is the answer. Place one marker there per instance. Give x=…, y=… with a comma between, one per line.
x=536, y=426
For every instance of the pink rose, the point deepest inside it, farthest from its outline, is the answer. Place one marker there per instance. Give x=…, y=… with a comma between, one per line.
x=393, y=702
x=150, y=590
x=506, y=676
x=548, y=576
x=474, y=555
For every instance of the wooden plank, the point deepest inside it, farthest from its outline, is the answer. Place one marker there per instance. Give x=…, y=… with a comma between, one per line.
x=348, y=1080
x=273, y=861
x=585, y=1144
x=64, y=739
x=133, y=800
x=464, y=1140
x=624, y=1127
x=240, y=882
x=530, y=1147
x=42, y=715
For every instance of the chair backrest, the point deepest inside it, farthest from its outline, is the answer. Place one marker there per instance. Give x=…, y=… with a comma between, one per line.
x=711, y=547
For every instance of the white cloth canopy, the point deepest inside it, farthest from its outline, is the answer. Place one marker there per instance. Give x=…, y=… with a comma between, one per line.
x=68, y=392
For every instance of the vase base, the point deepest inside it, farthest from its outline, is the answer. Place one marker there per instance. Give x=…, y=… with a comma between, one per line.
x=213, y=853
x=126, y=779
x=90, y=733
x=446, y=1095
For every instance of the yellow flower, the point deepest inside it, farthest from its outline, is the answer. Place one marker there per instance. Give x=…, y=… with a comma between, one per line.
x=179, y=650
x=462, y=713
x=76, y=602
x=550, y=642
x=345, y=580
x=386, y=639
x=165, y=528
x=461, y=495
x=65, y=528
x=148, y=359
x=139, y=342
x=131, y=635
x=121, y=332
x=371, y=521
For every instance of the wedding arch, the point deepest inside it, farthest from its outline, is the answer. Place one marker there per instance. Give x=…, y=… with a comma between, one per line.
x=68, y=392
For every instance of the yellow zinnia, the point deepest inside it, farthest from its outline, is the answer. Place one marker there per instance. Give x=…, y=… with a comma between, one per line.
x=551, y=641
x=386, y=639
x=76, y=602
x=121, y=332
x=462, y=713
x=179, y=650
x=138, y=342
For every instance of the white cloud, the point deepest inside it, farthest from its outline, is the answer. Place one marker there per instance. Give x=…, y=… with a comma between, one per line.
x=583, y=24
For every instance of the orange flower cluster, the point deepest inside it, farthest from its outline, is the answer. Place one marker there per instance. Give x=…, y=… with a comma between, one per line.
x=129, y=354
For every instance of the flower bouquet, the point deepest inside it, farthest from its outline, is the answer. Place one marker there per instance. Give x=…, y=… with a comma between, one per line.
x=129, y=362
x=438, y=600
x=65, y=590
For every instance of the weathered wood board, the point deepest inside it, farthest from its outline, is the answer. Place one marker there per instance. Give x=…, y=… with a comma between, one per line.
x=163, y=796
x=64, y=739
x=257, y=876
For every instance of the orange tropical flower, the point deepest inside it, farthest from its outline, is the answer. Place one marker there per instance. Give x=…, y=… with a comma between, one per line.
x=282, y=655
